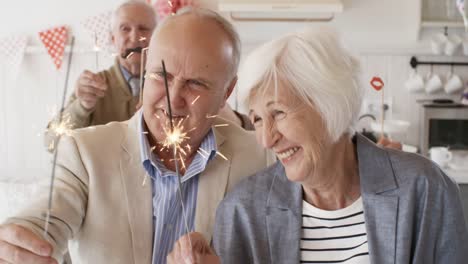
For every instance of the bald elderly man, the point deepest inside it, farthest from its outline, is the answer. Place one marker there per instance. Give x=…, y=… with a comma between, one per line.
x=116, y=191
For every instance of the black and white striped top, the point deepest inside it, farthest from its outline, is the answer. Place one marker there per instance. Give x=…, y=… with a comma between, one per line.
x=334, y=236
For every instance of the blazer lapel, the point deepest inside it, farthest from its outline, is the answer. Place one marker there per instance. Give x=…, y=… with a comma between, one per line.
x=381, y=218
x=380, y=203
x=137, y=195
x=284, y=219
x=212, y=187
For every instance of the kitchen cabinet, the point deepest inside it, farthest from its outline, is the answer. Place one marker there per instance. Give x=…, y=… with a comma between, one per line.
x=440, y=14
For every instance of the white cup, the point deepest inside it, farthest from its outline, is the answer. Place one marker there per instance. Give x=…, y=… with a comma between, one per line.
x=454, y=84
x=440, y=155
x=452, y=44
x=415, y=83
x=433, y=84
x=438, y=42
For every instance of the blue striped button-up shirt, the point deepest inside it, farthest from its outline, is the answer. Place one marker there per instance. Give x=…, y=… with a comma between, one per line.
x=168, y=218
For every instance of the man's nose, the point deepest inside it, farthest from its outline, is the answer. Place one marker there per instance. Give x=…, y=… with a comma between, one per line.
x=176, y=93
x=134, y=35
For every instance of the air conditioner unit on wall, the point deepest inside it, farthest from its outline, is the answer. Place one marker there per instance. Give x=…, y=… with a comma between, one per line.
x=274, y=10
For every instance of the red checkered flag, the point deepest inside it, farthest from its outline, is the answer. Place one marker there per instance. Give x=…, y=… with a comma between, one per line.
x=169, y=7
x=99, y=28
x=54, y=40
x=12, y=50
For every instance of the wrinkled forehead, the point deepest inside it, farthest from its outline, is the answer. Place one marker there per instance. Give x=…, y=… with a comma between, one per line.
x=182, y=47
x=135, y=13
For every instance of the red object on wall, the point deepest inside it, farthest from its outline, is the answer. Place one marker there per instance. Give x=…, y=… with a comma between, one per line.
x=377, y=83
x=54, y=40
x=169, y=7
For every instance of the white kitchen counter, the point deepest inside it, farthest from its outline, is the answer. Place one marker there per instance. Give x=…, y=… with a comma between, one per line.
x=460, y=176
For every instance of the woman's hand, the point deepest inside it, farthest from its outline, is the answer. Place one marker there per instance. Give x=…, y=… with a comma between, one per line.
x=195, y=250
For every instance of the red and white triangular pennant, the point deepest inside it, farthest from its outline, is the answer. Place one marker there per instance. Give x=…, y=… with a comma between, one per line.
x=54, y=40
x=12, y=51
x=169, y=7
x=99, y=28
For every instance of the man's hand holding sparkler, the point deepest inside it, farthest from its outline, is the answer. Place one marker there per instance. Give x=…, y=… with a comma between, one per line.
x=89, y=88
x=192, y=249
x=22, y=246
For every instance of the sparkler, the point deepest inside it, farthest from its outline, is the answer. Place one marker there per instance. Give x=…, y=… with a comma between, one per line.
x=61, y=128
x=130, y=54
x=175, y=137
x=96, y=49
x=142, y=68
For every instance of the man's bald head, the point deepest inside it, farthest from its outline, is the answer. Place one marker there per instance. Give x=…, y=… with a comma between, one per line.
x=194, y=19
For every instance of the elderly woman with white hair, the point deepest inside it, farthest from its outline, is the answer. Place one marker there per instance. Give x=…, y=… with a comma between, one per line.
x=333, y=196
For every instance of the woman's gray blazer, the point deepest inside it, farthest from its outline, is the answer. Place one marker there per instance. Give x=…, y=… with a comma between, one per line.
x=412, y=210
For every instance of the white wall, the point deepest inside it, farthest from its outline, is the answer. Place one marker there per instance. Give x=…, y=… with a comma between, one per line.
x=384, y=34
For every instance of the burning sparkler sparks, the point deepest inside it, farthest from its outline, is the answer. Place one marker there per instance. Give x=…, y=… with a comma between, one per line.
x=130, y=55
x=221, y=155
x=195, y=100
x=202, y=154
x=59, y=128
x=175, y=138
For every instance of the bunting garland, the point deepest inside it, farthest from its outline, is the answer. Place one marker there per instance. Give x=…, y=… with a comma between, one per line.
x=99, y=28
x=169, y=7
x=54, y=40
x=12, y=50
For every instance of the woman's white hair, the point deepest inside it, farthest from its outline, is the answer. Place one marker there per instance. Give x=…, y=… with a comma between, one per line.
x=319, y=70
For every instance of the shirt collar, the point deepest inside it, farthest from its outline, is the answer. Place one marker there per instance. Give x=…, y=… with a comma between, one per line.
x=153, y=164
x=126, y=74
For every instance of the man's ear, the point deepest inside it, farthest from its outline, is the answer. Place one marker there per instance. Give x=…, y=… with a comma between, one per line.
x=229, y=90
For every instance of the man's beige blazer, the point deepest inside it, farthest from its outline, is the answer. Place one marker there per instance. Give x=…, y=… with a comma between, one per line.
x=103, y=200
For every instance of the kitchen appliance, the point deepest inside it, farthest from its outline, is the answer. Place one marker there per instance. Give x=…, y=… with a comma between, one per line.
x=443, y=123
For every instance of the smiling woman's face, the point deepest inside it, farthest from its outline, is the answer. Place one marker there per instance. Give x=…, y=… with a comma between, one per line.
x=292, y=129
